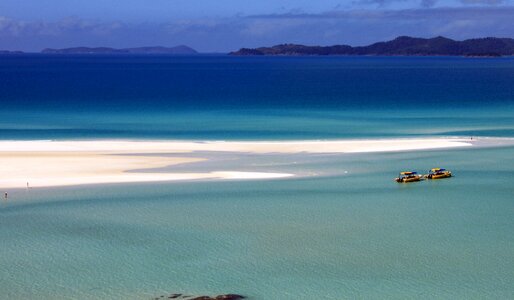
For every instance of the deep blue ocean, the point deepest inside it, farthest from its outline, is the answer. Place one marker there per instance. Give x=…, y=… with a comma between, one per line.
x=346, y=230
x=224, y=97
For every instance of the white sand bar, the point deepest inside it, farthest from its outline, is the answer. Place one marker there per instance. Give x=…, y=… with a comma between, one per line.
x=337, y=146
x=59, y=163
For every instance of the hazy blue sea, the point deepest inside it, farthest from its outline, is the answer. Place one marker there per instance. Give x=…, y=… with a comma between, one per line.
x=348, y=232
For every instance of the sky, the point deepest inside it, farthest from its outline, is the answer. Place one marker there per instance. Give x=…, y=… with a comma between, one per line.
x=227, y=25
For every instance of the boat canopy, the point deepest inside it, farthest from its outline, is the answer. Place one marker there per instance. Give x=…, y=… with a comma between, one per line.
x=408, y=173
x=437, y=169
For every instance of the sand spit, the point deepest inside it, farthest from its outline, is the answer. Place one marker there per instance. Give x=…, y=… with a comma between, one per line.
x=60, y=163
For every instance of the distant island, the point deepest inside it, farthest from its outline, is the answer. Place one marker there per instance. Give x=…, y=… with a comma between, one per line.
x=178, y=50
x=400, y=46
x=403, y=45
x=10, y=52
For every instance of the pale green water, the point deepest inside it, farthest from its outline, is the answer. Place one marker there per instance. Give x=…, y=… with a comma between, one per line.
x=354, y=235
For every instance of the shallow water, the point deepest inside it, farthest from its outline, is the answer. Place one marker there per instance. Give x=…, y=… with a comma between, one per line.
x=355, y=235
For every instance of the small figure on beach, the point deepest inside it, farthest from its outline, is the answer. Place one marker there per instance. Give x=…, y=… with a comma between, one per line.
x=5, y=195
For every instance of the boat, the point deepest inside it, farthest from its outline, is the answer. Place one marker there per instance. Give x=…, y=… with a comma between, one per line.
x=438, y=173
x=408, y=177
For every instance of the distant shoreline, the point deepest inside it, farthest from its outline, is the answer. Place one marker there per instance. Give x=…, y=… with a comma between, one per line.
x=402, y=46
x=106, y=55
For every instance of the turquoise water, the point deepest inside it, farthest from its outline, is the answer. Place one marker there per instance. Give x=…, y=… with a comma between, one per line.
x=276, y=124
x=343, y=230
x=356, y=235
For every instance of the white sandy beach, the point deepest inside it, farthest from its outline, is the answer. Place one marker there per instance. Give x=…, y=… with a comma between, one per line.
x=60, y=163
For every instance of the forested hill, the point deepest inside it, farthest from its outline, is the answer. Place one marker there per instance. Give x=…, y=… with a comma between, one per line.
x=402, y=45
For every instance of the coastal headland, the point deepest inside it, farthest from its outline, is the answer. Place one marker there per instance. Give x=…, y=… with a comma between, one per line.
x=400, y=46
